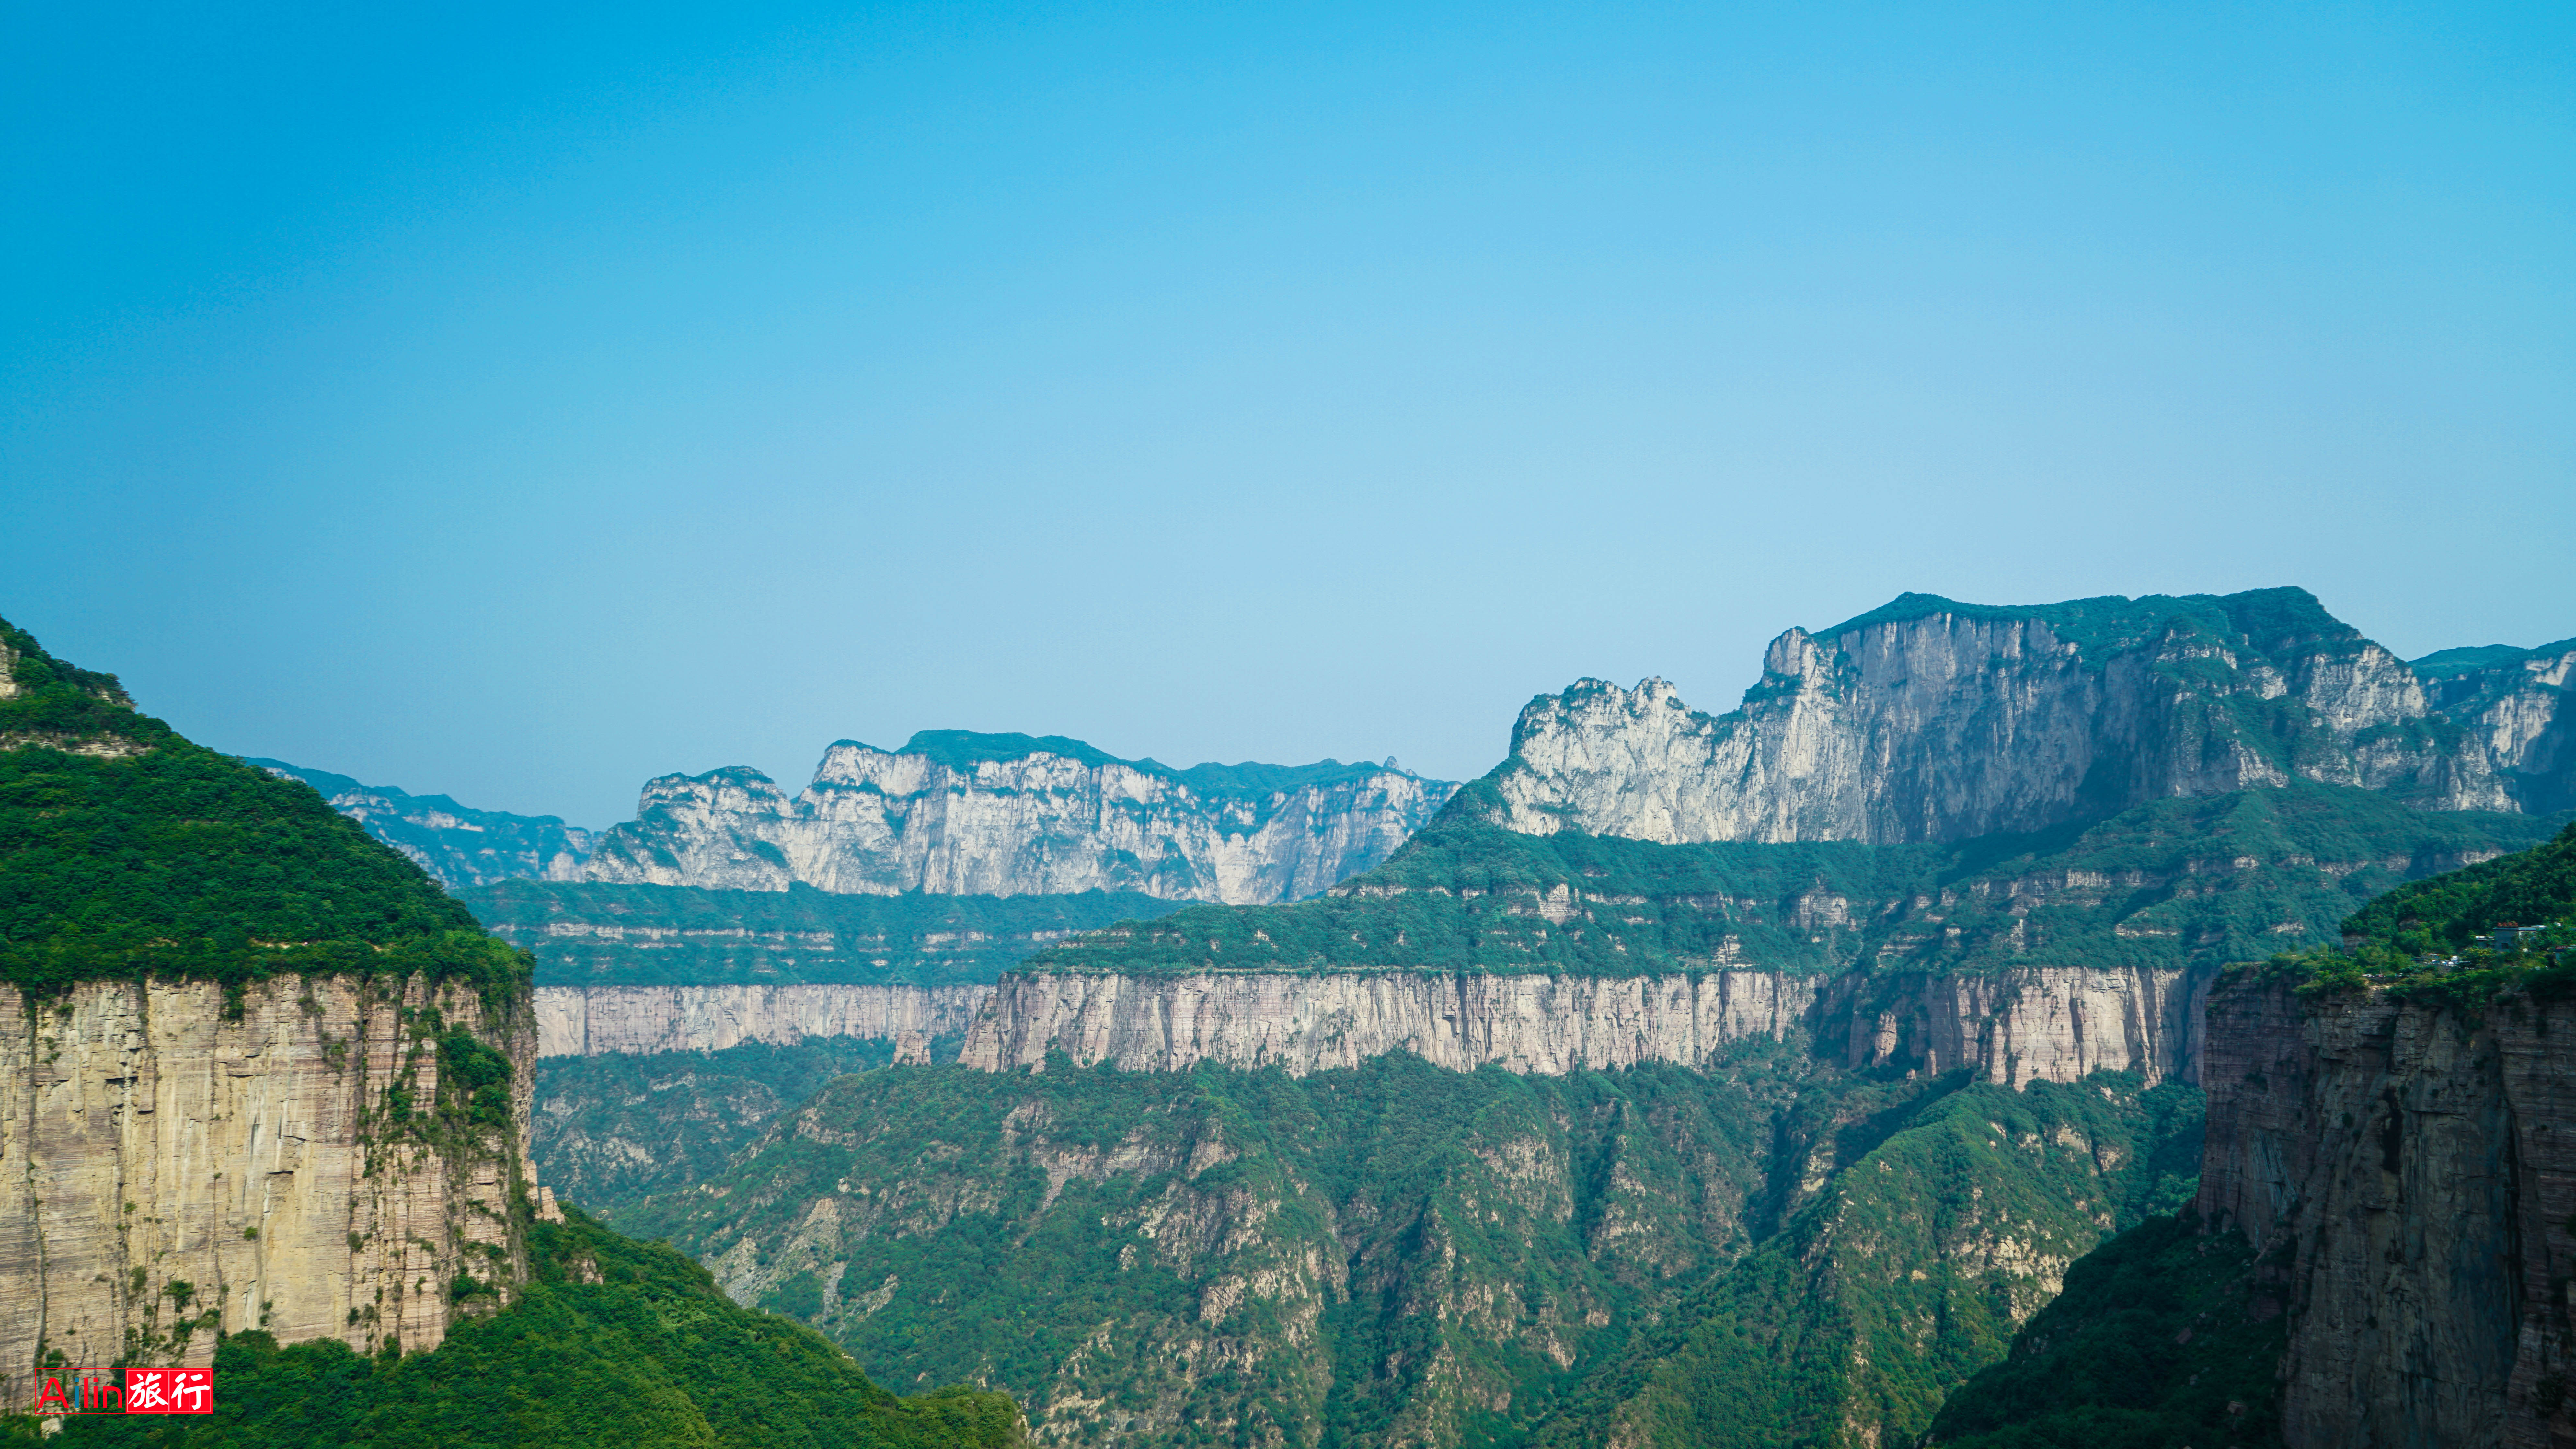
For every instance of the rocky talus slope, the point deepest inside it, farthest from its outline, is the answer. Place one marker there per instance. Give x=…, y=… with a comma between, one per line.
x=2036, y=1024
x=1929, y=720
x=2413, y=1166
x=170, y=1170
x=458, y=845
x=1003, y=815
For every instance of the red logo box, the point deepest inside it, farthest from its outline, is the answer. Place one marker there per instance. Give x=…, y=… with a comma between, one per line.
x=125, y=1391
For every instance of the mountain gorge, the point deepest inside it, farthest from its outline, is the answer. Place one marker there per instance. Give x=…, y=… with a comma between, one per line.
x=1922, y=1024
x=1830, y=1072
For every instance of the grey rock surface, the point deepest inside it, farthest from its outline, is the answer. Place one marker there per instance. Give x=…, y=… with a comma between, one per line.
x=1054, y=819
x=2412, y=1168
x=1934, y=721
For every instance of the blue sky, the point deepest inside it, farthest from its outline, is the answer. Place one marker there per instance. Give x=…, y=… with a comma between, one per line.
x=521, y=405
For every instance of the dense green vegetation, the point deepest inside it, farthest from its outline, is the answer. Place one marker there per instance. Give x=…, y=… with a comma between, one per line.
x=1218, y=1254
x=614, y=1342
x=2535, y=887
x=1401, y=1251
x=2273, y=621
x=2161, y=1340
x=127, y=850
x=2171, y=883
x=656, y=935
x=612, y=1129
x=2438, y=939
x=1947, y=1218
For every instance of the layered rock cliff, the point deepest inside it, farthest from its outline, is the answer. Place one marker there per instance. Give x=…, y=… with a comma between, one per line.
x=593, y=1020
x=2410, y=1168
x=458, y=845
x=962, y=814
x=630, y=935
x=1929, y=720
x=309, y=1165
x=2036, y=1024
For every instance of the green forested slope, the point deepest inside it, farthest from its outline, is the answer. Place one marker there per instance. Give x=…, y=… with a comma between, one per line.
x=127, y=849
x=1902, y=1277
x=2157, y=1342
x=616, y=1343
x=2172, y=883
x=1405, y=1254
x=2535, y=887
x=614, y=1128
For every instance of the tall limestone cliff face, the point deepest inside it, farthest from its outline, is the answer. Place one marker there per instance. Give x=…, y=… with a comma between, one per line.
x=958, y=814
x=458, y=845
x=2414, y=1170
x=169, y=1170
x=2039, y=1024
x=593, y=1020
x=1929, y=720
x=2514, y=705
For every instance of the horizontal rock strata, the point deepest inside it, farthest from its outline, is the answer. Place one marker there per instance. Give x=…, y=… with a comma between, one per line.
x=147, y=1142
x=592, y=1020
x=2413, y=1170
x=2051, y=1024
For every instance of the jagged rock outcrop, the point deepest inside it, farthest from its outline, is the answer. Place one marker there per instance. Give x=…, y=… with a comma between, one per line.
x=593, y=1020
x=170, y=1170
x=2039, y=1024
x=1004, y=815
x=458, y=845
x=1929, y=720
x=2412, y=1168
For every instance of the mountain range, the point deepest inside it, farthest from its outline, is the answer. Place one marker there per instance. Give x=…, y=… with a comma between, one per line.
x=1874, y=1061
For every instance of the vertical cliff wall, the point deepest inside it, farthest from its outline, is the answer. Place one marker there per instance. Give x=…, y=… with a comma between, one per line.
x=591, y=1020
x=169, y=1170
x=1051, y=820
x=2045, y=1024
x=2412, y=1168
x=1930, y=720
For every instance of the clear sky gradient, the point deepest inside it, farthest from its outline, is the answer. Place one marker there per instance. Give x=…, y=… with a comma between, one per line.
x=520, y=404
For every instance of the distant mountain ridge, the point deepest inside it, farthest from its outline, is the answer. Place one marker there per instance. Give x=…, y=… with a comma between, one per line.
x=959, y=813
x=1932, y=720
x=458, y=845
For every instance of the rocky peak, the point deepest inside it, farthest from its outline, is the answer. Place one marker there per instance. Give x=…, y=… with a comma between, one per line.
x=959, y=813
x=1931, y=720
